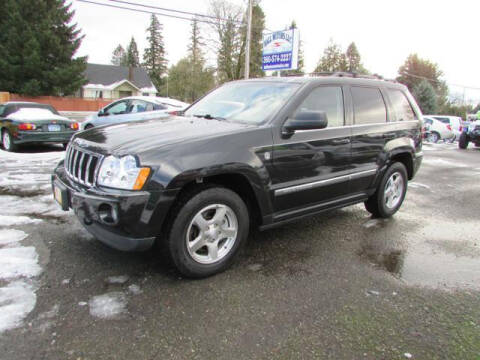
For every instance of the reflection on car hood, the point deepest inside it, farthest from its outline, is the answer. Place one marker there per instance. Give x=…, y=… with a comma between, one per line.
x=140, y=136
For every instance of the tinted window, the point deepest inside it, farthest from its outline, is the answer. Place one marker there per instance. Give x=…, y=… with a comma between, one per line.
x=159, y=107
x=328, y=99
x=442, y=119
x=2, y=108
x=368, y=105
x=401, y=106
x=137, y=106
x=117, y=108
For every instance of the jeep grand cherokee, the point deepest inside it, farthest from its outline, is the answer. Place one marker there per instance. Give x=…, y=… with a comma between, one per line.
x=250, y=153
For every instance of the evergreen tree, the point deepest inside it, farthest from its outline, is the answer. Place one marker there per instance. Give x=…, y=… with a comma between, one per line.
x=132, y=54
x=333, y=59
x=37, y=46
x=154, y=57
x=119, y=56
x=426, y=98
x=416, y=69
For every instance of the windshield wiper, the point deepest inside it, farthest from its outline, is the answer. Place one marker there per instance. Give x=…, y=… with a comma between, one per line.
x=209, y=117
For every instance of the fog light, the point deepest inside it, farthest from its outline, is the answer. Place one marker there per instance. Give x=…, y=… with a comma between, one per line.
x=107, y=214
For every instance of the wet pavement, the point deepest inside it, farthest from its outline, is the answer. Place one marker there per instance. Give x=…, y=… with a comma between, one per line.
x=336, y=286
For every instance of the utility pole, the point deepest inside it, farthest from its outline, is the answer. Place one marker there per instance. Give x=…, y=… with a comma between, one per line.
x=249, y=38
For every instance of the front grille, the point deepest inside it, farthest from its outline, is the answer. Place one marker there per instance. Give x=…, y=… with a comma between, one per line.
x=82, y=165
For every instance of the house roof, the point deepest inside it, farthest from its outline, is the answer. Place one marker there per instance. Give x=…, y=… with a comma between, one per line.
x=110, y=74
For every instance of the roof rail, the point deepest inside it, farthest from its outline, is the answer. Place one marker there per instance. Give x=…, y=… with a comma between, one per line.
x=351, y=75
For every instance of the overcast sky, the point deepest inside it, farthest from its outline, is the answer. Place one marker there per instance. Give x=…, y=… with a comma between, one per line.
x=385, y=31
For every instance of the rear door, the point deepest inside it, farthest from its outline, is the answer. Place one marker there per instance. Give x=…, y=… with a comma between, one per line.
x=370, y=132
x=311, y=166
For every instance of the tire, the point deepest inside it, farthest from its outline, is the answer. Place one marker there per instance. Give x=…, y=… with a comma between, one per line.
x=381, y=205
x=463, y=141
x=209, y=216
x=7, y=141
x=433, y=137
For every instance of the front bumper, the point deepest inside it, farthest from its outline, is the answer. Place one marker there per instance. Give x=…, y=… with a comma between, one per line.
x=24, y=137
x=123, y=220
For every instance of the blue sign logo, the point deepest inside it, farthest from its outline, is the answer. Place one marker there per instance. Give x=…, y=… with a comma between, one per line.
x=280, y=50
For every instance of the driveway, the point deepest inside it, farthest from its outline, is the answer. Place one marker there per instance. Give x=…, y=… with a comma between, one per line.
x=336, y=286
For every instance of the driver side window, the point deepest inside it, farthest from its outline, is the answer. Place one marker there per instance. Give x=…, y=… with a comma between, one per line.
x=328, y=99
x=117, y=108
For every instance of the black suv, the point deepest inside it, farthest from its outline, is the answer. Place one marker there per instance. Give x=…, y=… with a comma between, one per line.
x=257, y=152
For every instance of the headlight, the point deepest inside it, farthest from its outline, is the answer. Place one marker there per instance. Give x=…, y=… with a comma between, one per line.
x=122, y=173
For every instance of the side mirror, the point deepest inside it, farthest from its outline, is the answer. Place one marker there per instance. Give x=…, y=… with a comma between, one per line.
x=306, y=120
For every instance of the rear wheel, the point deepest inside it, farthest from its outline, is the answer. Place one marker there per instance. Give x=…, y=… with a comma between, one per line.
x=433, y=137
x=390, y=193
x=463, y=141
x=7, y=141
x=207, y=232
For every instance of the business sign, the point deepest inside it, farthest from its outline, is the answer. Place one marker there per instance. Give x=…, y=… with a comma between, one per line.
x=280, y=50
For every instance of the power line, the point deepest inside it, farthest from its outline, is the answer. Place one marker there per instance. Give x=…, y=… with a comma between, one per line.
x=147, y=12
x=438, y=81
x=176, y=11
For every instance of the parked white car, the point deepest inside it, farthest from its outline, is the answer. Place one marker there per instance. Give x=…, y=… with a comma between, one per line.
x=134, y=108
x=437, y=130
x=455, y=123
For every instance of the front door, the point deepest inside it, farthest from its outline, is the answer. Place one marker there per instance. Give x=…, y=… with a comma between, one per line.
x=312, y=166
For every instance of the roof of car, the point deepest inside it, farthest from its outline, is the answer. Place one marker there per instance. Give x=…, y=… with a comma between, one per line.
x=21, y=102
x=156, y=99
x=332, y=78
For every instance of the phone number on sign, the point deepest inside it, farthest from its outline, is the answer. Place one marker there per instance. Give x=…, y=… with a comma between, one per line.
x=277, y=58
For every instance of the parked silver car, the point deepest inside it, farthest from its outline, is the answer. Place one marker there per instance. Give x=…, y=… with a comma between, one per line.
x=134, y=108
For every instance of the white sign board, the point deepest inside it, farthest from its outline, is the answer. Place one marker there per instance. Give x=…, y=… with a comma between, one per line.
x=280, y=50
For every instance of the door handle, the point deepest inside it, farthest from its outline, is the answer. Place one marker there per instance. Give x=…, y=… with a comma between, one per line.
x=341, y=141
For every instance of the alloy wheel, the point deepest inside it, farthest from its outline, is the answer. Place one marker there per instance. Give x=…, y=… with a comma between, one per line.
x=394, y=189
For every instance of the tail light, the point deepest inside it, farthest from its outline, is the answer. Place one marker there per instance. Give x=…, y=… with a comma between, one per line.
x=74, y=126
x=174, y=113
x=27, y=126
x=449, y=127
x=460, y=128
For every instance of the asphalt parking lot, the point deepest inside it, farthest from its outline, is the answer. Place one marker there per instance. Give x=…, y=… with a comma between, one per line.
x=336, y=286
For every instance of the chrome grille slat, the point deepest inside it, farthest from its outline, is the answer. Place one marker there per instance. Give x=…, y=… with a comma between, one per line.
x=82, y=165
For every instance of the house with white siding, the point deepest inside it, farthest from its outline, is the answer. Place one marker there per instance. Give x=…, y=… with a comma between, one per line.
x=115, y=82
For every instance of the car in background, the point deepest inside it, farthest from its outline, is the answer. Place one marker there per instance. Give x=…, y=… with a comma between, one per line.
x=33, y=123
x=470, y=134
x=436, y=130
x=455, y=122
x=134, y=108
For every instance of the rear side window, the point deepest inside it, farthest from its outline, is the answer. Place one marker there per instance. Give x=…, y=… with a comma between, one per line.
x=401, y=106
x=368, y=105
x=328, y=99
x=444, y=120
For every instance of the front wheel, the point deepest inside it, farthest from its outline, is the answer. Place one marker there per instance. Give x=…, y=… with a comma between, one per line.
x=7, y=141
x=433, y=137
x=209, y=229
x=463, y=141
x=390, y=193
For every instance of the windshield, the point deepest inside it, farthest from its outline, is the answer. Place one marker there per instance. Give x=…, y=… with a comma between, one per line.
x=245, y=102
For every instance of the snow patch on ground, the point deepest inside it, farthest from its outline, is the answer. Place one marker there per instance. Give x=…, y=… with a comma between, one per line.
x=374, y=223
x=19, y=262
x=29, y=157
x=121, y=279
x=108, y=305
x=43, y=204
x=135, y=289
x=17, y=299
x=7, y=220
x=442, y=162
x=416, y=185
x=9, y=236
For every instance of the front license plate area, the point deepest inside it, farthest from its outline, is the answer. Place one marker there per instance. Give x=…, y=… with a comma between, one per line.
x=61, y=195
x=54, y=127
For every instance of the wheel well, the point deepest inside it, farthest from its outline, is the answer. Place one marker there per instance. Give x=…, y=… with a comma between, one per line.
x=235, y=182
x=405, y=159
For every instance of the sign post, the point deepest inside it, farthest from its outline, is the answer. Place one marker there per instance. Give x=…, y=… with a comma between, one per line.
x=280, y=50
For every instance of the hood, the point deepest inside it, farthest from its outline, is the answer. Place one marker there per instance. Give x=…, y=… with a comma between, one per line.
x=141, y=136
